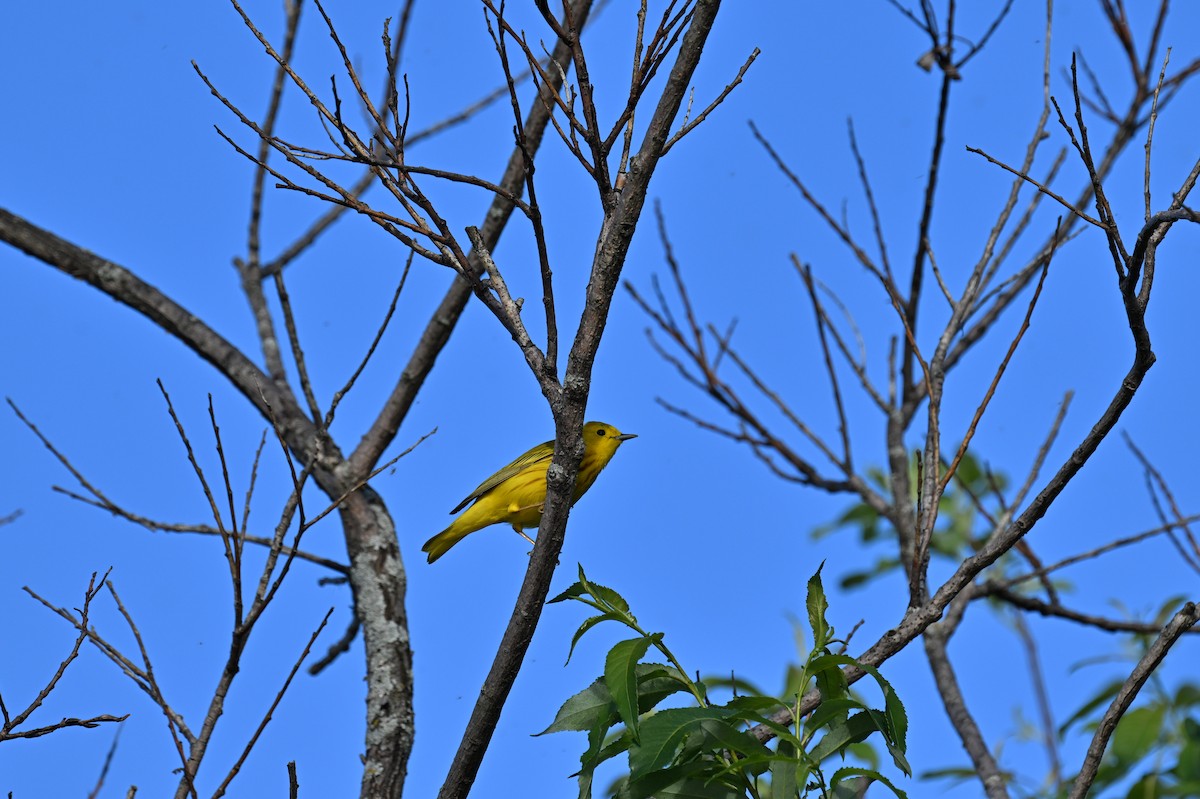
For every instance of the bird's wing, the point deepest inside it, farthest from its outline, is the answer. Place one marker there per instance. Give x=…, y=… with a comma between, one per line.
x=542, y=452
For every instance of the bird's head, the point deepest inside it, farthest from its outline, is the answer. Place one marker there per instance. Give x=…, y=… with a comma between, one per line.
x=603, y=439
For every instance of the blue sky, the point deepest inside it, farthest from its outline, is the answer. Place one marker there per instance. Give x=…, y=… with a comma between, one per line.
x=110, y=144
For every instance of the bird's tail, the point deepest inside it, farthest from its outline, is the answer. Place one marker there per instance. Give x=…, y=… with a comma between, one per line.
x=441, y=543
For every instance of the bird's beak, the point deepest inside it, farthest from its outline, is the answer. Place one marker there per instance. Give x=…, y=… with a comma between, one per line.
x=626, y=436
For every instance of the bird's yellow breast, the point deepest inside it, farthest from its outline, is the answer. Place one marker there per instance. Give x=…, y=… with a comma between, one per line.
x=519, y=499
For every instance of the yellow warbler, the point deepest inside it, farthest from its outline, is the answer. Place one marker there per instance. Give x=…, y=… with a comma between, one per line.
x=516, y=493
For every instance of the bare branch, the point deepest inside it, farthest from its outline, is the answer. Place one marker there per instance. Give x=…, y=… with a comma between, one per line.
x=819, y=313
x=568, y=406
x=688, y=127
x=1154, y=118
x=337, y=648
x=444, y=318
x=248, y=268
x=1043, y=189
x=237, y=766
x=1056, y=611
x=387, y=317
x=122, y=285
x=979, y=411
x=1096, y=552
x=936, y=638
x=1183, y=621
x=876, y=223
x=108, y=758
x=9, y=728
x=1049, y=731
x=1156, y=483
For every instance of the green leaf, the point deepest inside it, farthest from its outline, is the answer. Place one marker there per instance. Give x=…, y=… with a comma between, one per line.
x=896, y=751
x=882, y=566
x=897, y=717
x=1137, y=731
x=598, y=596
x=574, y=591
x=817, y=604
x=782, y=731
x=656, y=682
x=753, y=705
x=832, y=711
x=853, y=580
x=1187, y=695
x=698, y=789
x=589, y=760
x=856, y=729
x=745, y=769
x=1169, y=608
x=1103, y=696
x=606, y=596
x=584, y=710
x=874, y=776
x=1187, y=769
x=662, y=734
x=594, y=704
x=788, y=772
x=968, y=470
x=726, y=736
x=583, y=628
x=620, y=675
x=827, y=669
x=893, y=734
x=615, y=747
x=831, y=682
x=1148, y=787
x=612, y=599
x=1190, y=788
x=742, y=686
x=681, y=781
x=829, y=661
x=956, y=774
x=752, y=709
x=860, y=515
x=849, y=789
x=1191, y=729
x=866, y=753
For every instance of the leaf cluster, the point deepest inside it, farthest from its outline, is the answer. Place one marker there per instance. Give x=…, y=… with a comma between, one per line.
x=730, y=749
x=1156, y=743
x=954, y=538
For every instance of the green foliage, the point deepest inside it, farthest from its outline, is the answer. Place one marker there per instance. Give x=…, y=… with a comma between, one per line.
x=953, y=539
x=1158, y=745
x=1157, y=742
x=712, y=750
x=1154, y=751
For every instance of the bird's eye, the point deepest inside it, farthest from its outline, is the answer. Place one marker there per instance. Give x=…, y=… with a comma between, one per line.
x=601, y=431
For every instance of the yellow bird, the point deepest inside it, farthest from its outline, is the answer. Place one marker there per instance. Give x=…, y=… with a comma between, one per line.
x=516, y=493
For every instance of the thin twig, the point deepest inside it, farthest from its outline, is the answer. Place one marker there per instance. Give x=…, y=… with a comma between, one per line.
x=8, y=729
x=1150, y=126
x=1049, y=732
x=688, y=127
x=237, y=766
x=387, y=317
x=108, y=759
x=338, y=647
x=819, y=313
x=1040, y=187
x=987, y=397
